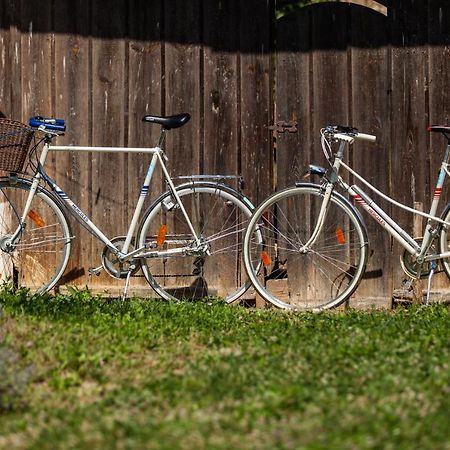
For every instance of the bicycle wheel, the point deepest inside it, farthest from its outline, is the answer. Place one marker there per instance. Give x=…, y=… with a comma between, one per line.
x=321, y=276
x=444, y=239
x=40, y=256
x=219, y=216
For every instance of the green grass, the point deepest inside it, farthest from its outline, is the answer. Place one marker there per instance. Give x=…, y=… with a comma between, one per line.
x=87, y=372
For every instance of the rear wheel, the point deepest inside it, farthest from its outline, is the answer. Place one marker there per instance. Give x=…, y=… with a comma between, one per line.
x=40, y=256
x=445, y=239
x=295, y=276
x=219, y=216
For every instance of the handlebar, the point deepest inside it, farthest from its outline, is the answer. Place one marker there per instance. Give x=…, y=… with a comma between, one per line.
x=348, y=134
x=343, y=134
x=47, y=124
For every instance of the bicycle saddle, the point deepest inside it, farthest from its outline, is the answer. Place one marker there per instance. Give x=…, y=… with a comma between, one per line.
x=169, y=122
x=440, y=128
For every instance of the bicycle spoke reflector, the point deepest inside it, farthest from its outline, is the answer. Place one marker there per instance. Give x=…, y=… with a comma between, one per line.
x=36, y=218
x=266, y=259
x=340, y=236
x=161, y=238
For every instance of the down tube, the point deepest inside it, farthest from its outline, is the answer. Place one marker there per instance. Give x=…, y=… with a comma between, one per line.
x=383, y=219
x=80, y=214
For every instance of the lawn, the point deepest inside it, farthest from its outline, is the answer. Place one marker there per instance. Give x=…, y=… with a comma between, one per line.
x=84, y=372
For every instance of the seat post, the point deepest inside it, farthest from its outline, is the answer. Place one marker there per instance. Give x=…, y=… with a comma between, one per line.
x=162, y=138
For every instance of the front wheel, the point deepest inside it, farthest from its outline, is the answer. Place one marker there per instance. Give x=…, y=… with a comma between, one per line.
x=295, y=276
x=39, y=257
x=219, y=216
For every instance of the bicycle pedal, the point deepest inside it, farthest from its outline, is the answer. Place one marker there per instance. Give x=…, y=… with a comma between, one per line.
x=95, y=270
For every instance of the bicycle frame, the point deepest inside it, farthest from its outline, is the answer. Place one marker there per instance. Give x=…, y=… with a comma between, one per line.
x=123, y=254
x=382, y=217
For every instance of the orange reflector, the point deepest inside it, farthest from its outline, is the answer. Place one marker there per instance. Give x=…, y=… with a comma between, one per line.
x=36, y=218
x=161, y=235
x=340, y=236
x=266, y=259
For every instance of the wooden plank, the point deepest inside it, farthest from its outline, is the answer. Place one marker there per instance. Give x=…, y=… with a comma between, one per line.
x=181, y=92
x=439, y=95
x=145, y=97
x=410, y=161
x=330, y=90
x=108, y=123
x=36, y=48
x=255, y=100
x=293, y=96
x=72, y=93
x=370, y=112
x=220, y=78
x=256, y=111
x=182, y=87
x=221, y=108
x=5, y=60
x=37, y=59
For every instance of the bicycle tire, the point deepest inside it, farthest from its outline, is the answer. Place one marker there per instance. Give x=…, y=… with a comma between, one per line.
x=219, y=215
x=320, y=277
x=40, y=257
x=444, y=239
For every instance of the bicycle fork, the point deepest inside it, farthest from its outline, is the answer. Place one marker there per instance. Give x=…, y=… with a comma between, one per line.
x=320, y=220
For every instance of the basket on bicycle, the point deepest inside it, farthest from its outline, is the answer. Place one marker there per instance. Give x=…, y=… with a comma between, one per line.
x=15, y=140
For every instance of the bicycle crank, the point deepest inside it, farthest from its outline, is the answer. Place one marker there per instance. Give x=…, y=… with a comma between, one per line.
x=112, y=264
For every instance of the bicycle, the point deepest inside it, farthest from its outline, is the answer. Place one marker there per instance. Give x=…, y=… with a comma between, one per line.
x=187, y=242
x=315, y=244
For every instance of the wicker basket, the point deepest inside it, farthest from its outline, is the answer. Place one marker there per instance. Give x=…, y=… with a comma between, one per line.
x=15, y=139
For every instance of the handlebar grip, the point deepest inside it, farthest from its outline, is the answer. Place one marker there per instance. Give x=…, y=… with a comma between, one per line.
x=366, y=137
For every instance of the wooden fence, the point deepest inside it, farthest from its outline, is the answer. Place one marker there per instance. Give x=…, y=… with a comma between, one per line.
x=103, y=65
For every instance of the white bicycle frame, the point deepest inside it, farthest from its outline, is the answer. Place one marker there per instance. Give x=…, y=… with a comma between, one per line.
x=377, y=213
x=123, y=254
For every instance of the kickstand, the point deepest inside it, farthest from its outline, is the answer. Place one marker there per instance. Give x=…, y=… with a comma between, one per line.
x=430, y=276
x=127, y=283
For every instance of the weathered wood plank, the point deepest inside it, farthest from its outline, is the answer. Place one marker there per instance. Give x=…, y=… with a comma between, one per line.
x=331, y=86
x=256, y=110
x=293, y=97
x=221, y=153
x=410, y=158
x=108, y=122
x=221, y=107
x=7, y=49
x=37, y=90
x=145, y=80
x=72, y=93
x=36, y=49
x=220, y=91
x=439, y=94
x=370, y=114
x=182, y=87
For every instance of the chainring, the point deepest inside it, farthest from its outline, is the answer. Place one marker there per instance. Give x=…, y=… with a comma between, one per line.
x=111, y=263
x=410, y=265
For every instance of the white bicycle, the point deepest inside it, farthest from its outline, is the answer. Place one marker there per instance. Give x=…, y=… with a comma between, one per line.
x=315, y=244
x=187, y=243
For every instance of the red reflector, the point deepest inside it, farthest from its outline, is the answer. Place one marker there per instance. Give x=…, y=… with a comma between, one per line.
x=340, y=236
x=266, y=259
